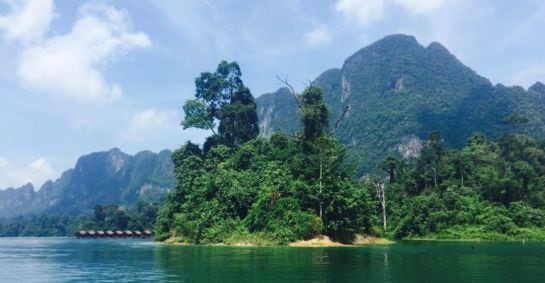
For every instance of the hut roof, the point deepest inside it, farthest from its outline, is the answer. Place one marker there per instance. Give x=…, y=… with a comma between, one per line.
x=128, y=232
x=138, y=233
x=148, y=232
x=91, y=232
x=109, y=232
x=100, y=232
x=119, y=232
x=81, y=232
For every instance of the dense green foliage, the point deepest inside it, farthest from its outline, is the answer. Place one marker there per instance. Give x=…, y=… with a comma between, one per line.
x=42, y=225
x=112, y=217
x=265, y=191
x=221, y=96
x=398, y=92
x=486, y=190
x=109, y=217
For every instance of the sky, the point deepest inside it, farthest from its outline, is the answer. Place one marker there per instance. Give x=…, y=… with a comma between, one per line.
x=80, y=76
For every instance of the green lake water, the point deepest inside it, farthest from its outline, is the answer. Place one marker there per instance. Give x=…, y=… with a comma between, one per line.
x=73, y=260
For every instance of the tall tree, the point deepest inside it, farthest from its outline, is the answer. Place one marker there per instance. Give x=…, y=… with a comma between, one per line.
x=314, y=113
x=239, y=119
x=429, y=164
x=221, y=98
x=390, y=166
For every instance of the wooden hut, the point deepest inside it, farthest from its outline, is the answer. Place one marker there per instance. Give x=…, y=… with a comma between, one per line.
x=113, y=234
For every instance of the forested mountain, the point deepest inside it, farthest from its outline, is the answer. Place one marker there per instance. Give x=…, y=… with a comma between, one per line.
x=398, y=91
x=99, y=178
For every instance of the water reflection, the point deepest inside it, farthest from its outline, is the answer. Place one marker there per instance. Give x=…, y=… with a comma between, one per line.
x=236, y=264
x=46, y=260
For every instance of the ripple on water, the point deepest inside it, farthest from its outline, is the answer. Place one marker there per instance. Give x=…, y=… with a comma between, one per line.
x=66, y=259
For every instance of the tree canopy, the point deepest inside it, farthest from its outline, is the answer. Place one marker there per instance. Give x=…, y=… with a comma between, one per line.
x=486, y=190
x=244, y=188
x=241, y=188
x=221, y=98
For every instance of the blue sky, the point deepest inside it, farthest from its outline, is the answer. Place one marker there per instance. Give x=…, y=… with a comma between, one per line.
x=82, y=76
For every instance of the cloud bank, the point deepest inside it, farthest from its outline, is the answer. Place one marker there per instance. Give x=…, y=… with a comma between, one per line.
x=320, y=36
x=150, y=123
x=366, y=12
x=69, y=65
x=29, y=19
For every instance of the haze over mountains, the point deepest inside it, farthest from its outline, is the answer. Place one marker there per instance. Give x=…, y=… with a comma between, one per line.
x=399, y=91
x=110, y=177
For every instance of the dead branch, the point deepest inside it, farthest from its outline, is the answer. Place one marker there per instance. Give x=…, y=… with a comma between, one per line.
x=291, y=90
x=340, y=118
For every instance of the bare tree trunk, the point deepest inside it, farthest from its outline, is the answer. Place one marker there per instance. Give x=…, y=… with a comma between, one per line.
x=211, y=127
x=320, y=192
x=381, y=195
x=291, y=90
x=383, y=201
x=340, y=119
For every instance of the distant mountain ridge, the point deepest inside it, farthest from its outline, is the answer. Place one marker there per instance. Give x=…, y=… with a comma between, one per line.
x=398, y=91
x=109, y=177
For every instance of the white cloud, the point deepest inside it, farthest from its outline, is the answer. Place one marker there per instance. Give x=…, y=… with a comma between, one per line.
x=3, y=162
x=318, y=37
x=420, y=6
x=366, y=12
x=149, y=123
x=363, y=12
x=69, y=65
x=37, y=172
x=29, y=19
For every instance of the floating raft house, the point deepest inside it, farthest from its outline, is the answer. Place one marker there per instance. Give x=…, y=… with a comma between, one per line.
x=90, y=234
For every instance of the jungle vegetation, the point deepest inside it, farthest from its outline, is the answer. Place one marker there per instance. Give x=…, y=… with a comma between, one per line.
x=141, y=216
x=238, y=187
x=492, y=190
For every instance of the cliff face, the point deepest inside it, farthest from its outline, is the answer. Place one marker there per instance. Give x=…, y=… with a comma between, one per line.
x=110, y=177
x=18, y=199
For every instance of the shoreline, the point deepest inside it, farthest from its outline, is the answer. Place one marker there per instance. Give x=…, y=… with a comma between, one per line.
x=318, y=242
x=523, y=241
x=360, y=241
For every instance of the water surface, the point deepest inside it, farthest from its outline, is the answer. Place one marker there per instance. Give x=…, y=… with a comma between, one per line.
x=73, y=260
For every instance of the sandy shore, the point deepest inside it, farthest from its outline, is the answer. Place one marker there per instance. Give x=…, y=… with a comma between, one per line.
x=320, y=241
x=362, y=240
x=325, y=241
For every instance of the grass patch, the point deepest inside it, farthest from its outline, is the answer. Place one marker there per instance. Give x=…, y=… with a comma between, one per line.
x=362, y=240
x=250, y=239
x=480, y=233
